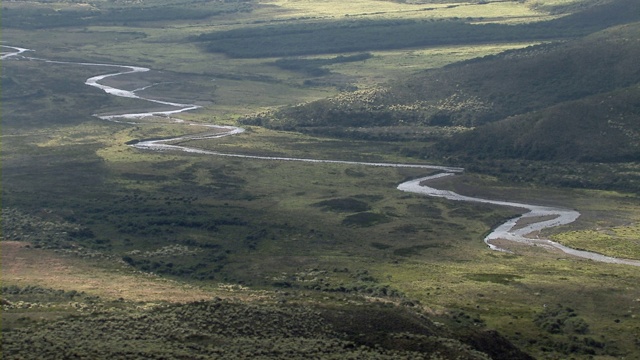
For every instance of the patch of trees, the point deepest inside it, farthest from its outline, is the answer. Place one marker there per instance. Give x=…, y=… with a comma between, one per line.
x=360, y=282
x=205, y=269
x=314, y=67
x=558, y=319
x=43, y=232
x=596, y=18
x=417, y=249
x=33, y=292
x=148, y=216
x=583, y=175
x=365, y=219
x=343, y=205
x=329, y=113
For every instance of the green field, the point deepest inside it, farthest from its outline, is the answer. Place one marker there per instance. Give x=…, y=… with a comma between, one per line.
x=98, y=232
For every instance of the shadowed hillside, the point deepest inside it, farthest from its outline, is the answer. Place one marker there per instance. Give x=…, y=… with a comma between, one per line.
x=480, y=91
x=601, y=128
x=567, y=102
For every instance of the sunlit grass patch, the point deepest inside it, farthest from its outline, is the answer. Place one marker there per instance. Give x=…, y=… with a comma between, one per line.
x=389, y=9
x=389, y=65
x=620, y=241
x=266, y=142
x=493, y=12
x=507, y=291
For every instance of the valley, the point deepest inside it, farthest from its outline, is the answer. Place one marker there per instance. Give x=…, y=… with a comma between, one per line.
x=124, y=216
x=550, y=217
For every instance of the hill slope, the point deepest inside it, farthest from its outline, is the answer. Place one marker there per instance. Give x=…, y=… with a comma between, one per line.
x=567, y=104
x=477, y=92
x=600, y=128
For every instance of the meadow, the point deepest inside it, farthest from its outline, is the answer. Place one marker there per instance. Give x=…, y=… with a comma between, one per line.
x=94, y=217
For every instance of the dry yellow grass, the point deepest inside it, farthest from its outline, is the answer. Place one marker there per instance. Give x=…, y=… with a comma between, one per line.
x=22, y=265
x=495, y=11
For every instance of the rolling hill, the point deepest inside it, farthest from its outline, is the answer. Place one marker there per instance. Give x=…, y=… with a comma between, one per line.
x=484, y=90
x=566, y=102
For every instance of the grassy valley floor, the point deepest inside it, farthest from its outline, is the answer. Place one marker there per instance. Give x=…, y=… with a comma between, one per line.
x=201, y=255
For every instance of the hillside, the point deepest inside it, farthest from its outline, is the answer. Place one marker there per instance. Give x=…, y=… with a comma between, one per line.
x=480, y=91
x=569, y=103
x=231, y=329
x=599, y=128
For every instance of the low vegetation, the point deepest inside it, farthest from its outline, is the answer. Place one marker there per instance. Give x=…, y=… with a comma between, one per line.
x=353, y=35
x=531, y=104
x=231, y=329
x=112, y=252
x=41, y=16
x=476, y=92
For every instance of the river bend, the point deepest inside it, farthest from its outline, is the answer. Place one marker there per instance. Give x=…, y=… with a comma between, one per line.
x=541, y=217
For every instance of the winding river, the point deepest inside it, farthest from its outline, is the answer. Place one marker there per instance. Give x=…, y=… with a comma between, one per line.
x=536, y=217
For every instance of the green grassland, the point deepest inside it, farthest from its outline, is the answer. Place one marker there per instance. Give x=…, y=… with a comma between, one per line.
x=320, y=242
